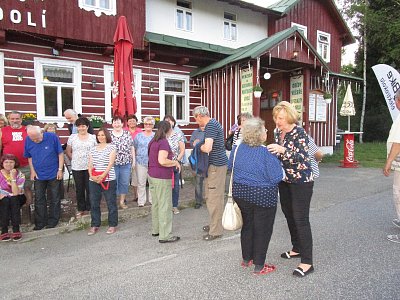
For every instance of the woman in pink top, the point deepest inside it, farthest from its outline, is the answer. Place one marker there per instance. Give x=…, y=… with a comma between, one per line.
x=160, y=179
x=11, y=197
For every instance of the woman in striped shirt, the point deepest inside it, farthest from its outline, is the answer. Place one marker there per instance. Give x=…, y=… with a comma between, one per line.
x=102, y=181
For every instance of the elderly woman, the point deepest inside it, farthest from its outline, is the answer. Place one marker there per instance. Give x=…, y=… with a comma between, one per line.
x=161, y=171
x=176, y=142
x=125, y=158
x=297, y=188
x=237, y=134
x=141, y=143
x=78, y=149
x=256, y=174
x=102, y=181
x=11, y=197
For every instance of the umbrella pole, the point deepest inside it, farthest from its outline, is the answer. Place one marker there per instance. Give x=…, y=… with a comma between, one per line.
x=348, y=123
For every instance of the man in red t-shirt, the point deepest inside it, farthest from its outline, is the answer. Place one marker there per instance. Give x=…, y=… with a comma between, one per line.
x=12, y=140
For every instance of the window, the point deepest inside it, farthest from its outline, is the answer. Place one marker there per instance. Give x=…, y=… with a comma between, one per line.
x=184, y=15
x=108, y=84
x=2, y=106
x=230, y=27
x=107, y=7
x=301, y=28
x=174, y=97
x=324, y=45
x=58, y=87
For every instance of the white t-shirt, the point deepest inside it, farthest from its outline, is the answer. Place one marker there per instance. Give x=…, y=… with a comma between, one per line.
x=80, y=151
x=394, y=137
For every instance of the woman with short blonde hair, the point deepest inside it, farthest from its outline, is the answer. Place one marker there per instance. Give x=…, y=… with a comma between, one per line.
x=3, y=121
x=297, y=187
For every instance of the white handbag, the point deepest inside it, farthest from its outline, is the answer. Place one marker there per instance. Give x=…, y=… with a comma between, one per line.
x=232, y=217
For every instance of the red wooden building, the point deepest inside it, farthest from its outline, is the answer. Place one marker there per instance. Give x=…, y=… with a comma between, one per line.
x=58, y=54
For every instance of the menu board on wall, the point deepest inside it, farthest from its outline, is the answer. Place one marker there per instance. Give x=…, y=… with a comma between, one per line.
x=246, y=99
x=296, y=95
x=320, y=110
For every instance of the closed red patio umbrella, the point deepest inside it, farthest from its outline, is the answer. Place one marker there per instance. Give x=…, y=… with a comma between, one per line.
x=123, y=99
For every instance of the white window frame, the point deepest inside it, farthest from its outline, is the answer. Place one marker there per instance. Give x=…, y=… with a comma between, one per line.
x=301, y=27
x=230, y=23
x=112, y=11
x=77, y=85
x=185, y=12
x=328, y=55
x=185, y=78
x=108, y=78
x=2, y=99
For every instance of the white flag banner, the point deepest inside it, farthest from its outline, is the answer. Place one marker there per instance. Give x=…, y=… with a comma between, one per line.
x=389, y=80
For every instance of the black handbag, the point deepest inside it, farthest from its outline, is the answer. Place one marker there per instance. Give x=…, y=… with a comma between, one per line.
x=22, y=199
x=229, y=142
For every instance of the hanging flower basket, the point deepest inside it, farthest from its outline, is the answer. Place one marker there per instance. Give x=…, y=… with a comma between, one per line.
x=257, y=89
x=328, y=98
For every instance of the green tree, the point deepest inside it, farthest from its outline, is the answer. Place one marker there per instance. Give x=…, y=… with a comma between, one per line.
x=383, y=46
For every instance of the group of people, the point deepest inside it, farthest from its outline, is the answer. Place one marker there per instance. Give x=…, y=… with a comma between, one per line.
x=104, y=163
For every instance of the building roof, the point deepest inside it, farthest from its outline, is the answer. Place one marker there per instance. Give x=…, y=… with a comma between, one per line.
x=345, y=76
x=257, y=49
x=184, y=43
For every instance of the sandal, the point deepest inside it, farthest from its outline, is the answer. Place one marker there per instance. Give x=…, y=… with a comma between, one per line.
x=111, y=230
x=79, y=214
x=299, y=272
x=209, y=237
x=123, y=205
x=287, y=255
x=246, y=263
x=206, y=228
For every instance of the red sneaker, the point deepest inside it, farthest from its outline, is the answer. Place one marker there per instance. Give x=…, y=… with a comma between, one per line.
x=267, y=269
x=5, y=237
x=246, y=264
x=16, y=236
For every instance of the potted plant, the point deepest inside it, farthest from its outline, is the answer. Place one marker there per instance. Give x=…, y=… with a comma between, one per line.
x=328, y=97
x=96, y=121
x=257, y=89
x=28, y=119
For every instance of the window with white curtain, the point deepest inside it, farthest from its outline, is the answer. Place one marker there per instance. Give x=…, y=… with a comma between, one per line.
x=107, y=7
x=324, y=45
x=58, y=87
x=230, y=27
x=174, y=96
x=184, y=15
x=108, y=84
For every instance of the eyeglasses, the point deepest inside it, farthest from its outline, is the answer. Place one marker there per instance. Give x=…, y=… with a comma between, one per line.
x=149, y=124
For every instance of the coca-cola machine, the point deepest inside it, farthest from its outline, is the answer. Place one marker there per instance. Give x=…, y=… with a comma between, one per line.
x=348, y=149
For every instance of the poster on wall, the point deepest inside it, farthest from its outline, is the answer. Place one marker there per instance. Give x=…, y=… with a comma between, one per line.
x=296, y=95
x=311, y=107
x=246, y=99
x=320, y=110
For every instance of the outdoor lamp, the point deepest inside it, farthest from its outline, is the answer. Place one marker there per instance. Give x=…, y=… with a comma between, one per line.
x=55, y=52
x=94, y=83
x=151, y=88
x=20, y=77
x=267, y=76
x=295, y=54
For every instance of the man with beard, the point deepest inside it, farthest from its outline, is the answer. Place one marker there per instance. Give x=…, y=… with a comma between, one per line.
x=12, y=139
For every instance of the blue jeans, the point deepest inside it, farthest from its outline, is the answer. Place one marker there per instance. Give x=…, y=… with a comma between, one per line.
x=175, y=190
x=123, y=174
x=198, y=190
x=96, y=190
x=52, y=216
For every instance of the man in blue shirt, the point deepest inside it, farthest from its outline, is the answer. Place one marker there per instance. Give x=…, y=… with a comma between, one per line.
x=218, y=161
x=46, y=160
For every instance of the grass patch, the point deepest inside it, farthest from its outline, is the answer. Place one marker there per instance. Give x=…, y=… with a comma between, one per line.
x=369, y=155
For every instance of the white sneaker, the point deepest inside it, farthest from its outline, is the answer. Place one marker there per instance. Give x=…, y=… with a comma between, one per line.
x=396, y=222
x=394, y=238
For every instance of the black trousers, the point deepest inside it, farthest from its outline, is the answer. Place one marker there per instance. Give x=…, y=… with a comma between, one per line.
x=50, y=216
x=295, y=202
x=258, y=223
x=10, y=209
x=81, y=179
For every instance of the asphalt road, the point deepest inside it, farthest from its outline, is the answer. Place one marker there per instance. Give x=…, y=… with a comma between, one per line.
x=351, y=214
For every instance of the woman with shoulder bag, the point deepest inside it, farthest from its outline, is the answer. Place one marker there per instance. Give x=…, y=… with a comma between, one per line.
x=256, y=174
